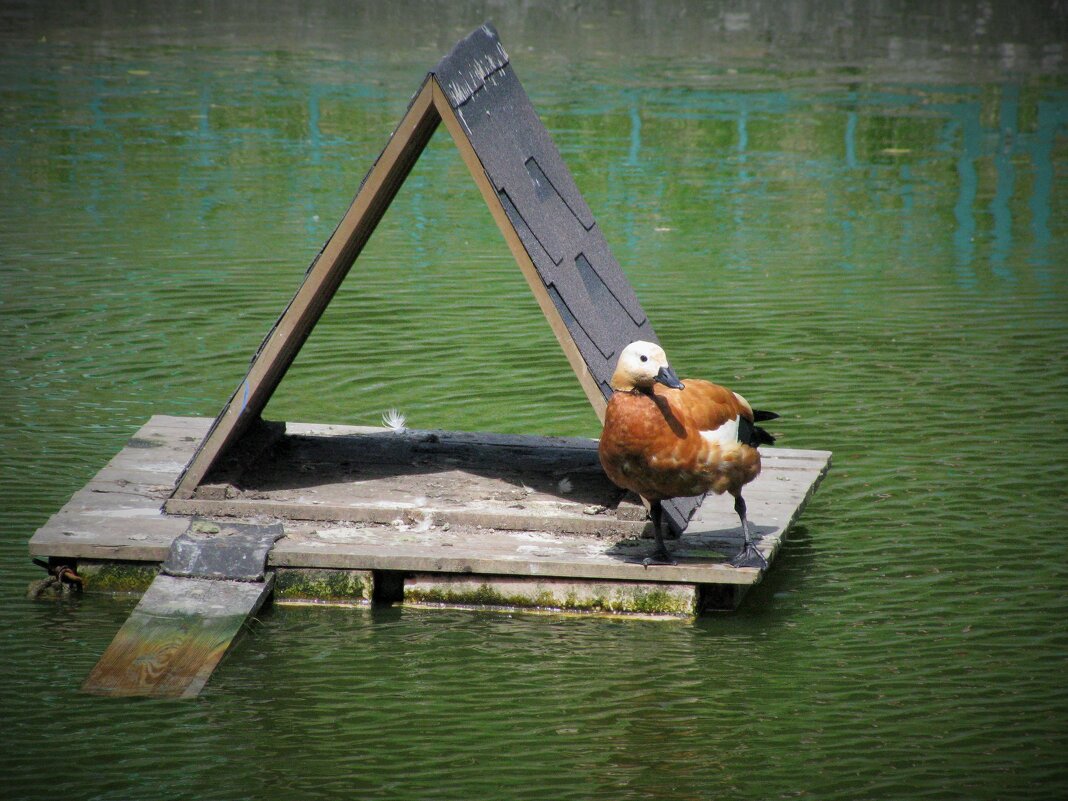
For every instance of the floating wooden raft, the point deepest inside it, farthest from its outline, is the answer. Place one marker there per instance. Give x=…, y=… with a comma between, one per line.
x=425, y=503
x=423, y=516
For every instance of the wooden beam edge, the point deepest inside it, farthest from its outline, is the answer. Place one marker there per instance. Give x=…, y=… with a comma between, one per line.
x=320, y=283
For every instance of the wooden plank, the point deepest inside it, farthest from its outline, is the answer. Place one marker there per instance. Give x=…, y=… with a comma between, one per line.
x=175, y=637
x=130, y=500
x=289, y=333
x=482, y=438
x=180, y=426
x=87, y=537
x=505, y=553
x=490, y=516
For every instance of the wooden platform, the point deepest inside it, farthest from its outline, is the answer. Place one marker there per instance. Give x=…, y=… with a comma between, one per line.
x=419, y=503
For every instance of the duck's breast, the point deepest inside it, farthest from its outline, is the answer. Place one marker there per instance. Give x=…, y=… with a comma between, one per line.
x=647, y=447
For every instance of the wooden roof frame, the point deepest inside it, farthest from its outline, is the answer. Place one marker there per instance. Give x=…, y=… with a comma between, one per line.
x=548, y=227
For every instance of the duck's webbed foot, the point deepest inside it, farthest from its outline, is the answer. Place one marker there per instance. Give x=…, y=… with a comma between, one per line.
x=659, y=556
x=749, y=556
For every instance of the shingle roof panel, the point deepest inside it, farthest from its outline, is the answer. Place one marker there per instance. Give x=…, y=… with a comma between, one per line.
x=538, y=193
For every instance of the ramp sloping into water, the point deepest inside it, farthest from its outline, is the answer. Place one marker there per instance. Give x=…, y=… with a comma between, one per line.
x=212, y=581
x=176, y=637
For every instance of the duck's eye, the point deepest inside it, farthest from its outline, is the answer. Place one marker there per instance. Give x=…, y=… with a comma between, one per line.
x=644, y=358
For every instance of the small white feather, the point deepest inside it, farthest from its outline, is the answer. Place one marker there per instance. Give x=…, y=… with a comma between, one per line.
x=565, y=486
x=394, y=421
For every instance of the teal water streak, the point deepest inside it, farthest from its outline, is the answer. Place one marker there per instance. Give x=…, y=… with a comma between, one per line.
x=858, y=223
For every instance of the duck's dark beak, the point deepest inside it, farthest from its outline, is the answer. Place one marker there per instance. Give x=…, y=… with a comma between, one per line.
x=667, y=377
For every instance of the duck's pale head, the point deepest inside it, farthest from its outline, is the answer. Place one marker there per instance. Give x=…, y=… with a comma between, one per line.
x=642, y=364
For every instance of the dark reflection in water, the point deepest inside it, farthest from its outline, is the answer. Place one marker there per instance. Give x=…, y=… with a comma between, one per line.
x=854, y=213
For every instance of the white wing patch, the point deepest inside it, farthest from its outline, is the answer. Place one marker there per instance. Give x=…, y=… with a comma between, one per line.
x=724, y=436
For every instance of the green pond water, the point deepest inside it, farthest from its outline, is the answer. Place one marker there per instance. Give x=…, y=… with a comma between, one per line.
x=856, y=219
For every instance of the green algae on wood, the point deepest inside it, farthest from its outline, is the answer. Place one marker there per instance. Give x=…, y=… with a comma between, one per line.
x=314, y=585
x=117, y=577
x=603, y=597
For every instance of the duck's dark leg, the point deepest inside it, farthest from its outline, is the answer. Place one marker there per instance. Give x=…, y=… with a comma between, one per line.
x=749, y=556
x=660, y=555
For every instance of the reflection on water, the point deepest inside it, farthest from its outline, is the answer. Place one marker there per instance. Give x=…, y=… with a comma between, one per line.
x=858, y=219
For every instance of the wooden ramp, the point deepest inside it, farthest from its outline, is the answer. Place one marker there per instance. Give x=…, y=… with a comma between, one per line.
x=175, y=638
x=421, y=504
x=212, y=581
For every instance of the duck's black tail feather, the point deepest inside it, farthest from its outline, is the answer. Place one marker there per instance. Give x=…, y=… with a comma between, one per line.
x=752, y=434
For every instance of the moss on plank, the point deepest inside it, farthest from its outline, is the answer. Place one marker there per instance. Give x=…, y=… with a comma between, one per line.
x=608, y=598
x=117, y=577
x=322, y=585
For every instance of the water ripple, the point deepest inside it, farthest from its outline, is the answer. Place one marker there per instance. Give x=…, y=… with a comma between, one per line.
x=869, y=245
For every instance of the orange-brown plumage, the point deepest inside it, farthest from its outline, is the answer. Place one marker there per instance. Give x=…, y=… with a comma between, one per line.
x=664, y=438
x=652, y=442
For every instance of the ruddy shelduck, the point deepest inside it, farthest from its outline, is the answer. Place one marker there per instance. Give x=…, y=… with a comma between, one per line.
x=665, y=438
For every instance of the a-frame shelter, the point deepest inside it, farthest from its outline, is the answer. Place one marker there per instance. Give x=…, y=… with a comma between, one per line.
x=535, y=202
x=214, y=574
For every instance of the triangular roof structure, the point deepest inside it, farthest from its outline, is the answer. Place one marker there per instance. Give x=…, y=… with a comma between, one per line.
x=532, y=196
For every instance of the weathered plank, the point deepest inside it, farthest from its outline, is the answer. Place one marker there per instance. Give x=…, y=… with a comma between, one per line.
x=88, y=536
x=495, y=517
x=175, y=637
x=522, y=553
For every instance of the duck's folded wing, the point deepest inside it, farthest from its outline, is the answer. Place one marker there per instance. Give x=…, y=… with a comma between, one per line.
x=711, y=406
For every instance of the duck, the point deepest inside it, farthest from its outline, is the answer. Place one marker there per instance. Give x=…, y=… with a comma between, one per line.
x=667, y=438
